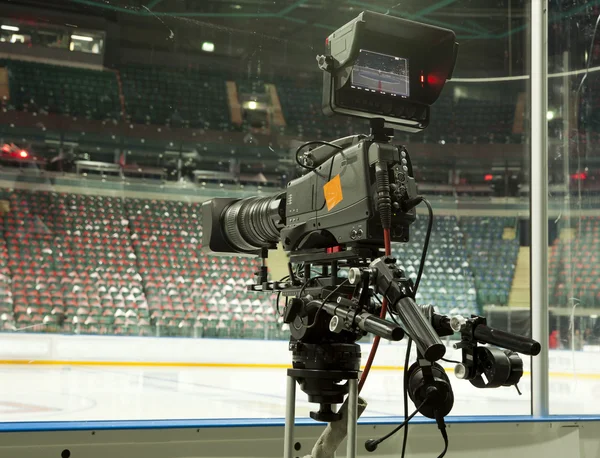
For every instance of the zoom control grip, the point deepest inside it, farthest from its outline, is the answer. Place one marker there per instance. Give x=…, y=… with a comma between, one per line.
x=420, y=330
x=416, y=324
x=508, y=340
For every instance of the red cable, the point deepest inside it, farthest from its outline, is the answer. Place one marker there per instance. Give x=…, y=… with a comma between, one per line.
x=387, y=240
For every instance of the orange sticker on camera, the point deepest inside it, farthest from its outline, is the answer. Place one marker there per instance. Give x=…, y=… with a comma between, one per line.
x=333, y=192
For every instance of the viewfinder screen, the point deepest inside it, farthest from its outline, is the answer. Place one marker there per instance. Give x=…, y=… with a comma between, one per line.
x=376, y=72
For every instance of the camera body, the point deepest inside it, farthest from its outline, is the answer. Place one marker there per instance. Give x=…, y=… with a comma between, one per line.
x=335, y=204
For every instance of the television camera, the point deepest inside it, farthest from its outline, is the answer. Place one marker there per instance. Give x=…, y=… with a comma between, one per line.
x=337, y=222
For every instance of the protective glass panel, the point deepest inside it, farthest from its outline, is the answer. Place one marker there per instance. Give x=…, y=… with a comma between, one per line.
x=572, y=205
x=120, y=118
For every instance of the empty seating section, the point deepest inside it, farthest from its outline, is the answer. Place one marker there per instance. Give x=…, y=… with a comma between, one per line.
x=573, y=265
x=108, y=265
x=447, y=280
x=7, y=319
x=459, y=117
x=177, y=97
x=492, y=258
x=72, y=264
x=454, y=117
x=190, y=293
x=301, y=105
x=190, y=97
x=37, y=87
x=104, y=265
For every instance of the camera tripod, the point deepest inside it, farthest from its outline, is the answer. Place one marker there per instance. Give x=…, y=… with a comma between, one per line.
x=351, y=412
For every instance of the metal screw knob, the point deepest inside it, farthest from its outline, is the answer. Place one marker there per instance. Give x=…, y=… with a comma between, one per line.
x=460, y=370
x=354, y=275
x=457, y=322
x=336, y=325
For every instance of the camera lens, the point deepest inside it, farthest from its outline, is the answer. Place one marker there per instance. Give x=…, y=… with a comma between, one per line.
x=253, y=223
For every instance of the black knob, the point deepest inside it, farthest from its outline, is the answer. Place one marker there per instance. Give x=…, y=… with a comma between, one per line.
x=371, y=445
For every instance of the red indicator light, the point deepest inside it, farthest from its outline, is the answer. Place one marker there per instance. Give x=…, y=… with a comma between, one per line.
x=432, y=80
x=488, y=177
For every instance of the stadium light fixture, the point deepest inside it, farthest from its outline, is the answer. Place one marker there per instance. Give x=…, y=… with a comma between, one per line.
x=208, y=46
x=81, y=38
x=17, y=38
x=10, y=28
x=252, y=105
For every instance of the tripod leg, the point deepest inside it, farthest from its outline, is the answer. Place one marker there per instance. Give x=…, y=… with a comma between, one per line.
x=290, y=417
x=352, y=418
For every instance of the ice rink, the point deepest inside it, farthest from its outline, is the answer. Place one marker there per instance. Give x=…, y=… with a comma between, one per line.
x=56, y=393
x=55, y=377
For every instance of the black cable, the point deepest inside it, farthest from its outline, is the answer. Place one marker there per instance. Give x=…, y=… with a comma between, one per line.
x=303, y=287
x=395, y=430
x=451, y=361
x=279, y=294
x=405, y=389
x=445, y=436
x=315, y=142
x=425, y=245
x=323, y=303
x=277, y=303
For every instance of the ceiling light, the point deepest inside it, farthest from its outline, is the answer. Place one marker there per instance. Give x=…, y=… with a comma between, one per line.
x=81, y=38
x=208, y=46
x=10, y=28
x=252, y=105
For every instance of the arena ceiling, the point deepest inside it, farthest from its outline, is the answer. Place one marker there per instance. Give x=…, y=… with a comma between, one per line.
x=481, y=19
x=292, y=31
